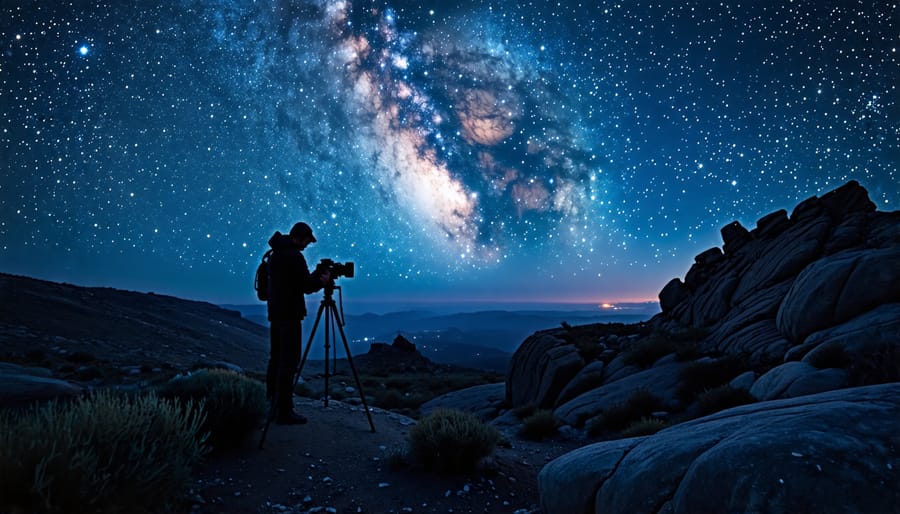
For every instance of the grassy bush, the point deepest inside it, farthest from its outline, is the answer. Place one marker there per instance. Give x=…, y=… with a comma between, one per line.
x=879, y=364
x=234, y=404
x=589, y=349
x=108, y=452
x=523, y=411
x=451, y=441
x=721, y=398
x=700, y=376
x=639, y=405
x=644, y=426
x=645, y=352
x=540, y=425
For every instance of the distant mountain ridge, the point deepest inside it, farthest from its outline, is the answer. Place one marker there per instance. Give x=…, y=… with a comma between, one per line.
x=483, y=339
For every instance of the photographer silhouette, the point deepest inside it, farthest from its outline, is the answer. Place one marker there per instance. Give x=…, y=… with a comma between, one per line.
x=289, y=281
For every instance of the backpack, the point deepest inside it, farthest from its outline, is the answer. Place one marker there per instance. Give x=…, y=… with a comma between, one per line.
x=261, y=281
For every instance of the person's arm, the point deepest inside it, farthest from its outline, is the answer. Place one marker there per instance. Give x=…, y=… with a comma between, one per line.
x=310, y=283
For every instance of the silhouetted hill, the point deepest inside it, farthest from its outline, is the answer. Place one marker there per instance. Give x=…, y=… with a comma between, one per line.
x=53, y=322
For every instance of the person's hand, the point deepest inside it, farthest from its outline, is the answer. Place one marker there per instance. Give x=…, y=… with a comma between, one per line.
x=325, y=277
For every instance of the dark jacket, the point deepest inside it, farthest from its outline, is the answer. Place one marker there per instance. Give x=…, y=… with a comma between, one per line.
x=289, y=280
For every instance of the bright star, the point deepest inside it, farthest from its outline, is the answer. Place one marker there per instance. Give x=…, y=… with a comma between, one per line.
x=84, y=50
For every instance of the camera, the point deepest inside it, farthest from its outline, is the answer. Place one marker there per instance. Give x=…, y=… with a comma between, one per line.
x=336, y=269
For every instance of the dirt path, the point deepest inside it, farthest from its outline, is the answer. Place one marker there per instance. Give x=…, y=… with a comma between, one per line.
x=336, y=464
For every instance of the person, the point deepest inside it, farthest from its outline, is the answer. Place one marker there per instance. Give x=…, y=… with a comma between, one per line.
x=289, y=281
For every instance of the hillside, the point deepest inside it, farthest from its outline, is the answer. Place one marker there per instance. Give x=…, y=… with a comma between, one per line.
x=58, y=323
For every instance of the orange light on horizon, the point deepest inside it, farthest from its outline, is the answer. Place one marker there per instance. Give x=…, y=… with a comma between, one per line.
x=607, y=306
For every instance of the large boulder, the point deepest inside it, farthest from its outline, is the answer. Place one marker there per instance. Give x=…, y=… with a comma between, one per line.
x=869, y=345
x=662, y=381
x=485, y=401
x=837, y=288
x=712, y=300
x=589, y=377
x=673, y=294
x=734, y=236
x=771, y=225
x=797, y=379
x=783, y=257
x=20, y=387
x=540, y=369
x=847, y=199
x=833, y=452
x=748, y=326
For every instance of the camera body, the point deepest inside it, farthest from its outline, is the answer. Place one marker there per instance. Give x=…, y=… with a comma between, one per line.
x=336, y=269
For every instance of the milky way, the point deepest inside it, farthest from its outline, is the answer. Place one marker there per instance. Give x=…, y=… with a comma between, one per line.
x=544, y=151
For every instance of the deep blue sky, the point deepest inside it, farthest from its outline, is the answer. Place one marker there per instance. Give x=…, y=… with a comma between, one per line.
x=528, y=151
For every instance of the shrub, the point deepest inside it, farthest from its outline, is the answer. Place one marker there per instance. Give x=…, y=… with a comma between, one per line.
x=699, y=376
x=640, y=404
x=878, y=364
x=644, y=426
x=107, y=452
x=451, y=441
x=721, y=398
x=646, y=351
x=234, y=404
x=524, y=411
x=397, y=459
x=388, y=399
x=588, y=349
x=540, y=425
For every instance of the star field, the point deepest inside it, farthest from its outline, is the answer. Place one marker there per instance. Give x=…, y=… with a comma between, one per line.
x=552, y=151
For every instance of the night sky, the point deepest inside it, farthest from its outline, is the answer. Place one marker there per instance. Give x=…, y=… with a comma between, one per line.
x=486, y=150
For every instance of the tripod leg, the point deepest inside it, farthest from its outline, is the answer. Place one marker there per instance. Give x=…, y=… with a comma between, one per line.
x=362, y=395
x=327, y=342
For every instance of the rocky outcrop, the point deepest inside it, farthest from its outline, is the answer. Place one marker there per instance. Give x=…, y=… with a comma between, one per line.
x=833, y=452
x=540, y=369
x=833, y=260
x=778, y=249
x=801, y=313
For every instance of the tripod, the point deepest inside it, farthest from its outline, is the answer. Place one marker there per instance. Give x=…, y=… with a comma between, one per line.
x=332, y=320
